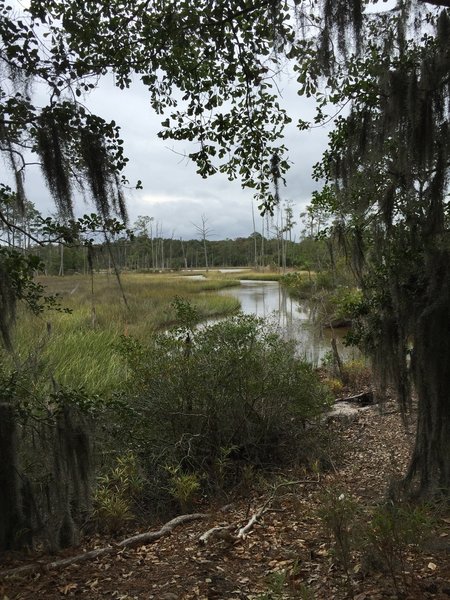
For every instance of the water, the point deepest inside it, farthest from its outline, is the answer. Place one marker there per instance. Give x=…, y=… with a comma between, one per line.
x=292, y=317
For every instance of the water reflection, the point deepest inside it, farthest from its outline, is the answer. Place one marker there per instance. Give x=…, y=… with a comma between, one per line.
x=293, y=318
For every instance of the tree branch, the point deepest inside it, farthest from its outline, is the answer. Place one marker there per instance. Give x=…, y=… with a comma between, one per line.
x=10, y=226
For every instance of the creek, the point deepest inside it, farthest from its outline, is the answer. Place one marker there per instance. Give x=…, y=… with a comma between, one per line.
x=293, y=318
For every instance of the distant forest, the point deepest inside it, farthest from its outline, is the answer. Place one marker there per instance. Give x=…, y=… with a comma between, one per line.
x=147, y=249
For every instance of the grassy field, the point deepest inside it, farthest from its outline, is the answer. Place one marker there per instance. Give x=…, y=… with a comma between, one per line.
x=81, y=349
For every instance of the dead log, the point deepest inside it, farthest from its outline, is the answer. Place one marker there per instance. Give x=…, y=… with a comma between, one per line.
x=362, y=399
x=338, y=323
x=151, y=536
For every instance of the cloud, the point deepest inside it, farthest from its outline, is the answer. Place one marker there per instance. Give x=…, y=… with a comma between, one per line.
x=174, y=194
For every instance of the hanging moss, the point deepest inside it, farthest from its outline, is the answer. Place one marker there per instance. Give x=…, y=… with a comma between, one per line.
x=342, y=17
x=8, y=301
x=46, y=478
x=52, y=149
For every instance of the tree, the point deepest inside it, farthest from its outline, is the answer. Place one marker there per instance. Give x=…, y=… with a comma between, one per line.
x=204, y=231
x=74, y=148
x=388, y=166
x=143, y=228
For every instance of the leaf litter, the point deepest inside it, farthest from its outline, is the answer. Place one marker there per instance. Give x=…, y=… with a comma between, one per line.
x=286, y=554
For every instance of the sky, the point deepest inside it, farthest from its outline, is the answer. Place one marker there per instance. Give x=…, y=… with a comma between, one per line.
x=173, y=193
x=176, y=196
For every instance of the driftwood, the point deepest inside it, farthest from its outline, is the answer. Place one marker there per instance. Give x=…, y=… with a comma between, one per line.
x=136, y=540
x=362, y=399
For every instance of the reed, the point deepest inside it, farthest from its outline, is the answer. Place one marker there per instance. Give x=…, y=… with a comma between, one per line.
x=81, y=349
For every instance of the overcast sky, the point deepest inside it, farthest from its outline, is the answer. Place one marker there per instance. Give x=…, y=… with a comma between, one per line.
x=173, y=194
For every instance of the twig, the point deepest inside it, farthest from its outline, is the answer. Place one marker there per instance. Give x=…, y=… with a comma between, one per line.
x=225, y=531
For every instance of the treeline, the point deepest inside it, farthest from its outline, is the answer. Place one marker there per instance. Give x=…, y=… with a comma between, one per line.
x=160, y=254
x=147, y=249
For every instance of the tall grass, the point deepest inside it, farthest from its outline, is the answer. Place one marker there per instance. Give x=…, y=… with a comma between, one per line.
x=80, y=349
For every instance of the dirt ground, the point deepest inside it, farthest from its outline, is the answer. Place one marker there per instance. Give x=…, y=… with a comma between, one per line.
x=286, y=554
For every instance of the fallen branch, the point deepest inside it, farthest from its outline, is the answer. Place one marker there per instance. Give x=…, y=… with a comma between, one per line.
x=266, y=506
x=224, y=532
x=254, y=518
x=141, y=539
x=151, y=536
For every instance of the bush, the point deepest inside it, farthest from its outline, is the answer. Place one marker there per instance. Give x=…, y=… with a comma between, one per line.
x=184, y=488
x=116, y=493
x=226, y=396
x=344, y=302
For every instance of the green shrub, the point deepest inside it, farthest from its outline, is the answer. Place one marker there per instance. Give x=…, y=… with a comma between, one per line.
x=116, y=493
x=345, y=302
x=229, y=395
x=184, y=487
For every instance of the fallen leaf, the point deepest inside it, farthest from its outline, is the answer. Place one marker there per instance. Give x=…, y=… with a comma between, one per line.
x=68, y=588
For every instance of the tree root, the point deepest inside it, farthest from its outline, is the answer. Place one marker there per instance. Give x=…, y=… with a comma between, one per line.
x=131, y=542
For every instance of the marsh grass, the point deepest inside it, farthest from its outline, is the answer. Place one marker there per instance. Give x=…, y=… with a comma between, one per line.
x=80, y=349
x=256, y=276
x=252, y=275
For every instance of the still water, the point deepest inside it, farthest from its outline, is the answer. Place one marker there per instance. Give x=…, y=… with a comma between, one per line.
x=293, y=318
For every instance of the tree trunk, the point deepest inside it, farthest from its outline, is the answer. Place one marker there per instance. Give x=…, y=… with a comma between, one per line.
x=429, y=471
x=61, y=260
x=11, y=516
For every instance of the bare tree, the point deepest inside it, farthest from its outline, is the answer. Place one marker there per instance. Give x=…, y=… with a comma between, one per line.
x=204, y=231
